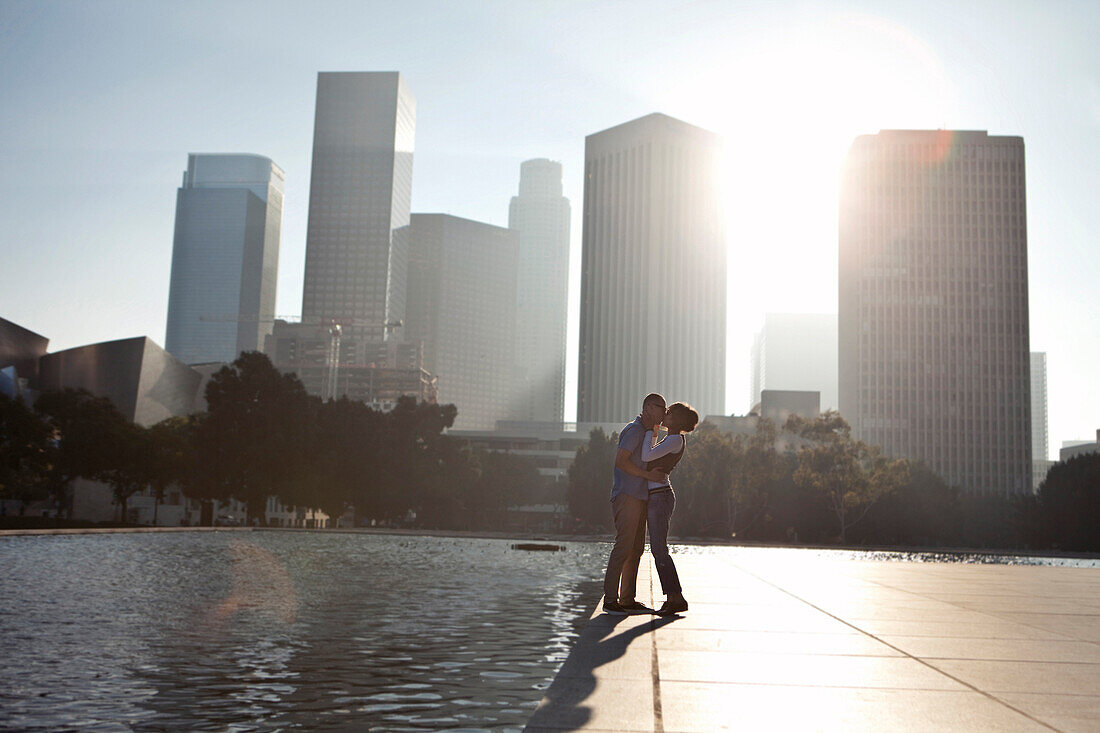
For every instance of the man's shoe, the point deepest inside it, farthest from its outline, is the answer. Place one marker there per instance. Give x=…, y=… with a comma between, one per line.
x=673, y=606
x=613, y=608
x=633, y=607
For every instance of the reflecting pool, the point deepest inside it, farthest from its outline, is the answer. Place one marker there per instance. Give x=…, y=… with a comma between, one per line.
x=247, y=631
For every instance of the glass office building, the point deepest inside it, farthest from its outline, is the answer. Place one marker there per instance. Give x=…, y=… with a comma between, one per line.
x=225, y=257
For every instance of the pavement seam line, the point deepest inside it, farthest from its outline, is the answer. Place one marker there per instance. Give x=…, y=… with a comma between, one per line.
x=993, y=614
x=658, y=712
x=897, y=649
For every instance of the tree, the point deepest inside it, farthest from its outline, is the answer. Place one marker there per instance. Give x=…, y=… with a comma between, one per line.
x=760, y=469
x=505, y=479
x=707, y=475
x=590, y=477
x=83, y=428
x=1069, y=502
x=345, y=459
x=847, y=474
x=923, y=510
x=417, y=467
x=254, y=438
x=170, y=442
x=24, y=451
x=131, y=462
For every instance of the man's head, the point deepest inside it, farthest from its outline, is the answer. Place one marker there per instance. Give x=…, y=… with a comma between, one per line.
x=681, y=417
x=653, y=409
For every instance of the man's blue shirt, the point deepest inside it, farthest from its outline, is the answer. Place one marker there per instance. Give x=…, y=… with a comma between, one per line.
x=631, y=439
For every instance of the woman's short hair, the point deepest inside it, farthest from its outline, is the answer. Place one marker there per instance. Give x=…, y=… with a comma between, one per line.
x=681, y=416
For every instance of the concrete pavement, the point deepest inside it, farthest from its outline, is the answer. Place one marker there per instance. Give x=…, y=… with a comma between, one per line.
x=795, y=640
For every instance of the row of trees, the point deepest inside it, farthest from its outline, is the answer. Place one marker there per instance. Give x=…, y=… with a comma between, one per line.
x=263, y=435
x=812, y=482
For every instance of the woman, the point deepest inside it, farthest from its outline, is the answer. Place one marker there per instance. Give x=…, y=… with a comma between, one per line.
x=680, y=419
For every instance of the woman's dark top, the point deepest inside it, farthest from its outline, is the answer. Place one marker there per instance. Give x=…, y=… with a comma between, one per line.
x=665, y=463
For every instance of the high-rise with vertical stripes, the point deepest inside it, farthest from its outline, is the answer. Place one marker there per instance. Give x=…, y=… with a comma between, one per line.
x=933, y=303
x=653, y=270
x=359, y=199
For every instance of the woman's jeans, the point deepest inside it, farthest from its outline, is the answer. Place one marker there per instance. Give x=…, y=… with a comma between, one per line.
x=661, y=506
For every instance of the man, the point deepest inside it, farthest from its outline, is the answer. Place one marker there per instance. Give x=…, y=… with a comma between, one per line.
x=629, y=504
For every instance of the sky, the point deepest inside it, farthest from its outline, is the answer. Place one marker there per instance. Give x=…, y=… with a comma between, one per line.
x=102, y=102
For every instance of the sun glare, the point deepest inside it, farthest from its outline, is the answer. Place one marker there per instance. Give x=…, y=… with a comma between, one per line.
x=789, y=109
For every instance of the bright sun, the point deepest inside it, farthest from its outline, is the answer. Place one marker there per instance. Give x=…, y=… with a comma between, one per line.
x=788, y=111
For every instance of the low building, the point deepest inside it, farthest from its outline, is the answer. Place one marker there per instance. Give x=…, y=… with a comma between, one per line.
x=20, y=350
x=733, y=424
x=538, y=517
x=338, y=363
x=277, y=514
x=147, y=385
x=1071, y=448
x=145, y=382
x=551, y=446
x=779, y=404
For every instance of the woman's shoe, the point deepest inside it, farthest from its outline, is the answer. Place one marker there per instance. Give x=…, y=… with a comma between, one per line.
x=673, y=606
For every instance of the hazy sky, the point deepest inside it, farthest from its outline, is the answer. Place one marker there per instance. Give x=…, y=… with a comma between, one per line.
x=102, y=102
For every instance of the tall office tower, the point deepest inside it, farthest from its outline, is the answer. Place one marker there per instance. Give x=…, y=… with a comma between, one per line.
x=796, y=351
x=462, y=305
x=225, y=257
x=933, y=322
x=653, y=277
x=540, y=217
x=360, y=192
x=1040, y=446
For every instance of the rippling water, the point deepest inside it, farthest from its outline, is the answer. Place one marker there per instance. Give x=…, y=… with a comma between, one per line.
x=277, y=630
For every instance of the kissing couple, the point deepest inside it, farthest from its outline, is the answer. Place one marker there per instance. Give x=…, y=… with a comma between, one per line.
x=641, y=495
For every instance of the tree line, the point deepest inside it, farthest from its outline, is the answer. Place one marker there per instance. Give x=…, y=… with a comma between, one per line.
x=812, y=482
x=262, y=435
x=806, y=482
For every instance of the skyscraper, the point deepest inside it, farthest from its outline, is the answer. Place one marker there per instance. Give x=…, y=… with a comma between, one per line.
x=933, y=321
x=462, y=305
x=225, y=257
x=653, y=277
x=796, y=351
x=359, y=198
x=356, y=243
x=1040, y=445
x=540, y=217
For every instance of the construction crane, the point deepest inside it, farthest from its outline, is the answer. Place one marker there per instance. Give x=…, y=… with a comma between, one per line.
x=335, y=330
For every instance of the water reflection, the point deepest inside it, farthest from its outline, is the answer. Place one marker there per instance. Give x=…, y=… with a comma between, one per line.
x=284, y=630
x=260, y=583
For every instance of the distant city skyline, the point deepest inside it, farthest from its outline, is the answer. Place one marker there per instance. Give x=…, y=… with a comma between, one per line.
x=102, y=101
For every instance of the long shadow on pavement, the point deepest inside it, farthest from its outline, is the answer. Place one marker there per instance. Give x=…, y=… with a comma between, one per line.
x=562, y=707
